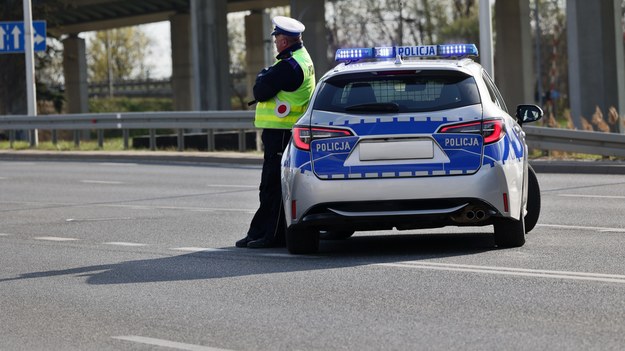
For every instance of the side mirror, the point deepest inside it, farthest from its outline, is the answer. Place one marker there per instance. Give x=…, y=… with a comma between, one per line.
x=528, y=113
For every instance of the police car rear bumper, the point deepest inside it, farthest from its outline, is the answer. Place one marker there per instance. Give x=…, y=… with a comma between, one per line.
x=400, y=214
x=309, y=200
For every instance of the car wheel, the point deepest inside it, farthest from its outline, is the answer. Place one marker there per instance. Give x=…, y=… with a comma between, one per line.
x=533, y=200
x=302, y=240
x=509, y=232
x=335, y=234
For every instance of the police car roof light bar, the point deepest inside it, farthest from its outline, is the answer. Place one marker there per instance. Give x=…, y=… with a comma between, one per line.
x=433, y=51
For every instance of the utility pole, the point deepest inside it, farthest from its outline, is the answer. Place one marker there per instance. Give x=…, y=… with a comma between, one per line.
x=539, y=83
x=486, y=38
x=109, y=63
x=29, y=50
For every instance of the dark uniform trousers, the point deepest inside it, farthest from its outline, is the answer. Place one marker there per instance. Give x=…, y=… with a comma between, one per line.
x=269, y=222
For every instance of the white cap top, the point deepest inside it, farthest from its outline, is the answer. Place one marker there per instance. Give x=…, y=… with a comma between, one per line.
x=287, y=26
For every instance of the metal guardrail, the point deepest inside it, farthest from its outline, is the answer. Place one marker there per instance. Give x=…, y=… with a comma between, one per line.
x=597, y=143
x=578, y=141
x=178, y=120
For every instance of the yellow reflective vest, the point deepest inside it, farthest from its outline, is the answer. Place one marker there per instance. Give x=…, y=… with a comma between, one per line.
x=284, y=109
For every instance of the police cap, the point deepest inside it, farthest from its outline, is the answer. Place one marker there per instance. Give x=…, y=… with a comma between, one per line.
x=287, y=26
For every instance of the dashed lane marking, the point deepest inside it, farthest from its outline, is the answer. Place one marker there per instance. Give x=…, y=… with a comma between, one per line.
x=88, y=181
x=121, y=243
x=598, y=229
x=198, y=249
x=232, y=186
x=54, y=238
x=183, y=249
x=107, y=164
x=522, y=272
x=100, y=219
x=166, y=343
x=593, y=196
x=251, y=252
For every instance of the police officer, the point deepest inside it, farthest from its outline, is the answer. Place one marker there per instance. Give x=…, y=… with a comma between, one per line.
x=283, y=92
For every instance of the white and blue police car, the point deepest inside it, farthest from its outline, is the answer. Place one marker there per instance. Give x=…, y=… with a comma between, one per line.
x=408, y=138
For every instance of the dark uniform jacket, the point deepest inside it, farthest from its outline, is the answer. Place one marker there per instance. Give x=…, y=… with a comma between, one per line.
x=286, y=75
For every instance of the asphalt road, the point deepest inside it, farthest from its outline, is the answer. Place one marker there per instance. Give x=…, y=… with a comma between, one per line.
x=118, y=256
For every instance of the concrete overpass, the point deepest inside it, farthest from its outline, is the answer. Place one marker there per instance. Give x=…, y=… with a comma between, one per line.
x=200, y=60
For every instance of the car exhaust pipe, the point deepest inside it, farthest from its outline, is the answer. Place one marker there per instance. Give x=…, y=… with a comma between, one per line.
x=480, y=214
x=471, y=215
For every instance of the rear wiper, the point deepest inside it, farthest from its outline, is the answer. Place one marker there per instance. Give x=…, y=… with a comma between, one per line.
x=374, y=107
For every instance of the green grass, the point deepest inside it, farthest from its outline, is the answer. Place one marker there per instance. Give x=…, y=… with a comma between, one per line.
x=110, y=144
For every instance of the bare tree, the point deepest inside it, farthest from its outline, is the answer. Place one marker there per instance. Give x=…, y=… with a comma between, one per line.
x=118, y=54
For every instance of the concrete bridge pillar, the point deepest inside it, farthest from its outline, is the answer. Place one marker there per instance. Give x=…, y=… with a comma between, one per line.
x=259, y=46
x=312, y=14
x=182, y=68
x=596, y=63
x=75, y=71
x=513, y=52
x=209, y=28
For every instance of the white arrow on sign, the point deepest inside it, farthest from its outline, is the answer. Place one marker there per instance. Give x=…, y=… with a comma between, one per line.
x=2, y=33
x=16, y=37
x=38, y=39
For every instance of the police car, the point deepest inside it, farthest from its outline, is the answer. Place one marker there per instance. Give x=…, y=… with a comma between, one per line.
x=408, y=138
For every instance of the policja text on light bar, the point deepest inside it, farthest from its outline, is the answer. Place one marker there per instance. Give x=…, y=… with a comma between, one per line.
x=443, y=51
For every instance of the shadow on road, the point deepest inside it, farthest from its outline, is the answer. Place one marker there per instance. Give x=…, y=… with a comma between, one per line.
x=232, y=262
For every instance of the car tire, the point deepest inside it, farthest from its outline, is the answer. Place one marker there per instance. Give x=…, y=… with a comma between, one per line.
x=335, y=234
x=533, y=200
x=509, y=232
x=302, y=240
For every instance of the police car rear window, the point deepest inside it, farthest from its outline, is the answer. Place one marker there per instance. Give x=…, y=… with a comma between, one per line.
x=406, y=91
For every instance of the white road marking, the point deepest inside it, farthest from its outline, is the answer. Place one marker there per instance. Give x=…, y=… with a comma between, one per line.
x=88, y=181
x=116, y=164
x=599, y=229
x=121, y=243
x=197, y=249
x=593, y=196
x=195, y=209
x=132, y=206
x=523, y=272
x=54, y=238
x=249, y=252
x=99, y=219
x=5, y=234
x=166, y=343
x=232, y=186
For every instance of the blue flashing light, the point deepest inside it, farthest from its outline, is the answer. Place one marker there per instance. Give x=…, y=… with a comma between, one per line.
x=446, y=50
x=450, y=50
x=353, y=54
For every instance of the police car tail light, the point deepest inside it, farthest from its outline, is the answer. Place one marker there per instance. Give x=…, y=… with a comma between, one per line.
x=492, y=129
x=303, y=136
x=471, y=127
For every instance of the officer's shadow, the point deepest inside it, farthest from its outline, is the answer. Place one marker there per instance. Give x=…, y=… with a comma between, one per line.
x=232, y=262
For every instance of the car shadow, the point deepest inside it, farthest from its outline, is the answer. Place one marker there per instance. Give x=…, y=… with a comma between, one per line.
x=233, y=262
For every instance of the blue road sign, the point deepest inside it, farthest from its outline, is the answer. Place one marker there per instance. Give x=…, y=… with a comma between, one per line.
x=12, y=36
